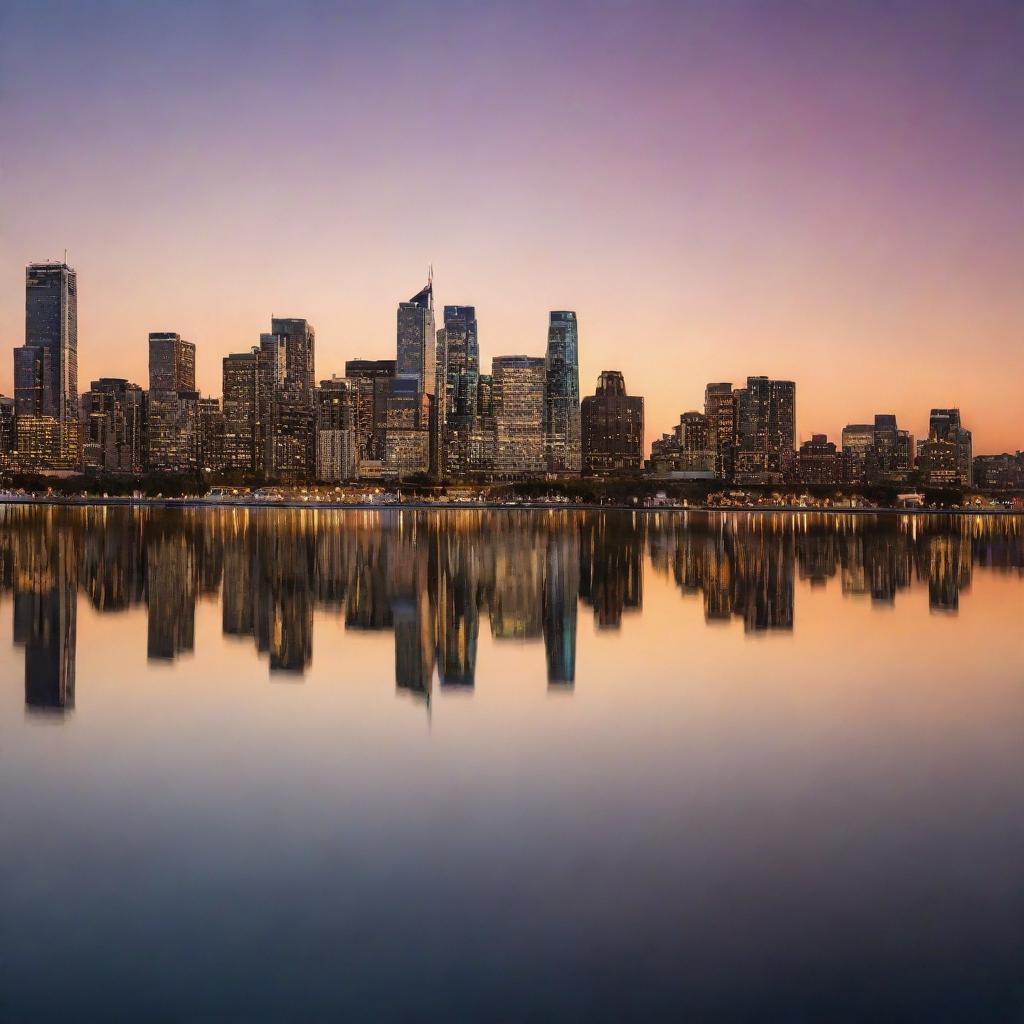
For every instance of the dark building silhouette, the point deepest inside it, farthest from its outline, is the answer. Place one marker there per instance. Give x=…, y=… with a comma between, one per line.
x=612, y=425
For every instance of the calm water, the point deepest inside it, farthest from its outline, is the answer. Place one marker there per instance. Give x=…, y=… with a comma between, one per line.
x=297, y=765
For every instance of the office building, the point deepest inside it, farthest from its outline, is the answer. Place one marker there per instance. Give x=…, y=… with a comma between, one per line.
x=337, y=457
x=562, y=429
x=417, y=343
x=243, y=428
x=720, y=412
x=819, y=461
x=518, y=390
x=114, y=426
x=612, y=427
x=51, y=324
x=686, y=453
x=766, y=430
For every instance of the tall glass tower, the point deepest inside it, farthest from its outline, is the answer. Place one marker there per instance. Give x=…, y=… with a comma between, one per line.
x=462, y=366
x=51, y=323
x=416, y=341
x=562, y=444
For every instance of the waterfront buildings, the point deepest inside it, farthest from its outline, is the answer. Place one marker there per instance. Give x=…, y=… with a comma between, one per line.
x=562, y=429
x=417, y=341
x=819, y=461
x=720, y=412
x=114, y=426
x=612, y=427
x=429, y=413
x=518, y=397
x=765, y=430
x=945, y=458
x=172, y=405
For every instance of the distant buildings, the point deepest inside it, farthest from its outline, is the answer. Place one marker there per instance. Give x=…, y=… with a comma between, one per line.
x=612, y=427
x=429, y=414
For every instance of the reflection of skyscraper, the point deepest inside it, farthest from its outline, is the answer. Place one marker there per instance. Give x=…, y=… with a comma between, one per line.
x=561, y=594
x=170, y=593
x=611, y=566
x=457, y=611
x=45, y=613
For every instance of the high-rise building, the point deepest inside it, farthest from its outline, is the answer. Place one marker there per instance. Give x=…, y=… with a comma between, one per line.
x=8, y=434
x=242, y=390
x=458, y=379
x=417, y=344
x=172, y=362
x=288, y=353
x=819, y=461
x=518, y=389
x=562, y=429
x=114, y=426
x=172, y=431
x=337, y=456
x=32, y=395
x=407, y=430
x=371, y=379
x=686, y=452
x=612, y=427
x=212, y=428
x=172, y=405
x=946, y=458
x=859, y=457
x=51, y=323
x=720, y=411
x=299, y=341
x=766, y=430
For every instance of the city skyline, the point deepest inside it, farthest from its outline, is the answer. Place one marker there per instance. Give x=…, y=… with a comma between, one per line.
x=715, y=189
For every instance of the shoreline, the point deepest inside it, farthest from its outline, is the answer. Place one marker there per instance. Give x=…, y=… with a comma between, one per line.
x=481, y=506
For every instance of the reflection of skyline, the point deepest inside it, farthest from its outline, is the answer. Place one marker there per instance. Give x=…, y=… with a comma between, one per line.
x=432, y=578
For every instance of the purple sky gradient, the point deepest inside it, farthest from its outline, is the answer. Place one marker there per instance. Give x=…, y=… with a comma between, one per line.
x=827, y=191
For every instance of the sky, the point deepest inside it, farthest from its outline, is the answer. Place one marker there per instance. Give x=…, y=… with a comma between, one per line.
x=815, y=190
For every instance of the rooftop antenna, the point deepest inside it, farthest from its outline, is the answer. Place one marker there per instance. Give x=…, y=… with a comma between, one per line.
x=430, y=274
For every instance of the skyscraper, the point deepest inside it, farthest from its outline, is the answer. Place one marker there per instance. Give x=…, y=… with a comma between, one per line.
x=417, y=344
x=945, y=459
x=114, y=417
x=518, y=390
x=51, y=323
x=289, y=352
x=172, y=362
x=766, y=430
x=242, y=387
x=859, y=457
x=612, y=427
x=337, y=457
x=562, y=428
x=720, y=410
x=32, y=395
x=172, y=405
x=300, y=351
x=458, y=375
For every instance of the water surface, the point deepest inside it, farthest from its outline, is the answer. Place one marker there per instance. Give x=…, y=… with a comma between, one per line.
x=403, y=765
